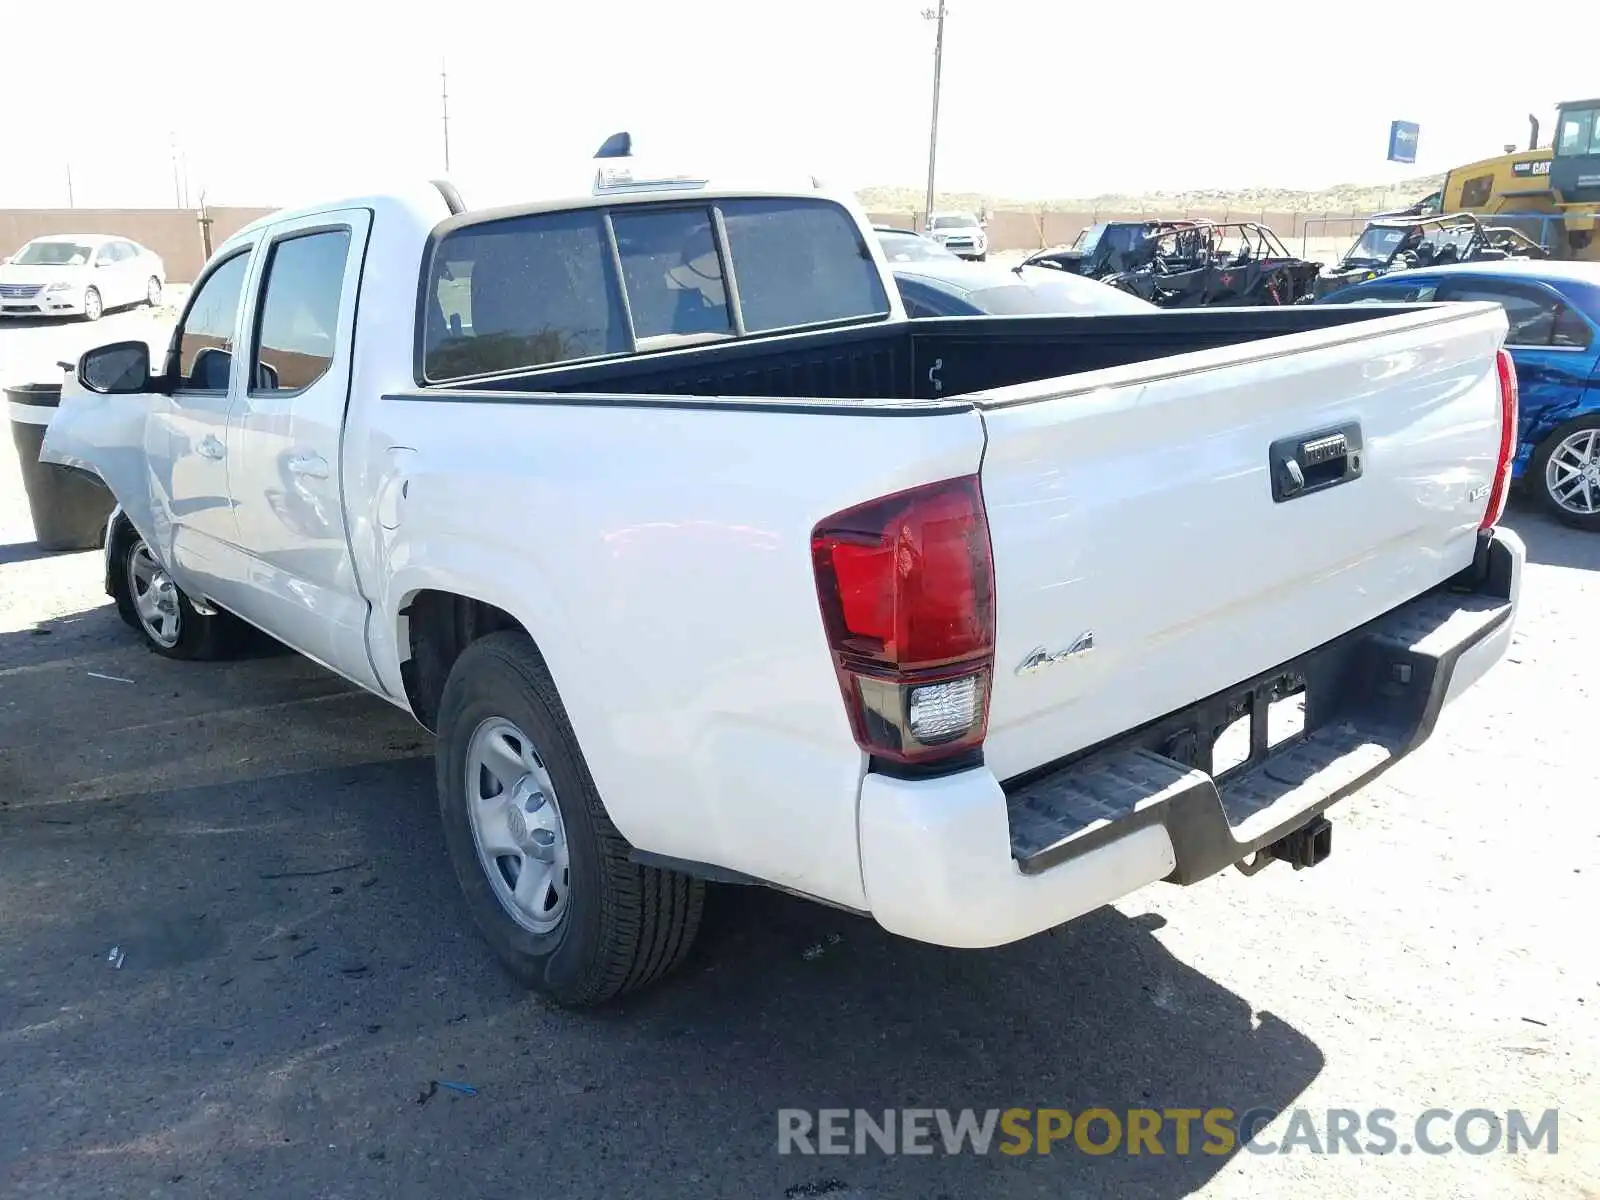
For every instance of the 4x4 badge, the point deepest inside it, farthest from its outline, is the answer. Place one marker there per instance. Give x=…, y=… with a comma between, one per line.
x=1041, y=657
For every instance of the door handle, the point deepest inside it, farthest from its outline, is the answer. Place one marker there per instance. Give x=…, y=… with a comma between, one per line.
x=211, y=447
x=308, y=466
x=1311, y=462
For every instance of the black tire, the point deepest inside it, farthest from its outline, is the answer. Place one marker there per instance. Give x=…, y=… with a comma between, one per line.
x=984, y=257
x=200, y=637
x=93, y=312
x=1537, y=485
x=152, y=292
x=624, y=925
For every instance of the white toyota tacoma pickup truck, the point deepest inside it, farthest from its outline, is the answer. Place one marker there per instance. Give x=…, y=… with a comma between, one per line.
x=702, y=562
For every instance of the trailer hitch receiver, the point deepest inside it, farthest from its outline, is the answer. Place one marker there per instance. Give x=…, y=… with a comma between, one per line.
x=1306, y=846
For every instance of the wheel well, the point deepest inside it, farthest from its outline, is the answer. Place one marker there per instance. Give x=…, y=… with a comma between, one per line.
x=120, y=534
x=439, y=626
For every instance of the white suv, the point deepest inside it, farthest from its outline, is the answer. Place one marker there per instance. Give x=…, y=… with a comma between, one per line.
x=960, y=233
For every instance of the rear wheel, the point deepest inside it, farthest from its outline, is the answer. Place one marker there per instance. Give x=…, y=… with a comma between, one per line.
x=149, y=600
x=1564, y=473
x=546, y=876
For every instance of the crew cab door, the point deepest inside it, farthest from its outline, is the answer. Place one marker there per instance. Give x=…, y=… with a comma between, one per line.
x=288, y=426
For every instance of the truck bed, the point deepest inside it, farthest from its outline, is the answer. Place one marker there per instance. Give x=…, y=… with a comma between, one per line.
x=929, y=359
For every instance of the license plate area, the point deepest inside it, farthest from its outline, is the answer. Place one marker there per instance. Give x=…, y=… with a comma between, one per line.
x=1235, y=735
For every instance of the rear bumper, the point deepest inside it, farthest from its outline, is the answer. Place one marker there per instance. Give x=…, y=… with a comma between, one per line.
x=964, y=861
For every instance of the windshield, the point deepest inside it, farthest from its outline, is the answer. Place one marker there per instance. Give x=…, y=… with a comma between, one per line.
x=908, y=247
x=954, y=221
x=1089, y=239
x=1579, y=132
x=53, y=254
x=1378, y=244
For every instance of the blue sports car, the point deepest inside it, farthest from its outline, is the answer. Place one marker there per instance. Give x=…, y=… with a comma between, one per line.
x=1553, y=309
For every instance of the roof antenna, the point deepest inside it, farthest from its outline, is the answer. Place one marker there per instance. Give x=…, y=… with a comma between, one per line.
x=618, y=145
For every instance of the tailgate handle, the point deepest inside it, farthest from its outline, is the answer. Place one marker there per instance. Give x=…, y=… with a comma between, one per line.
x=1312, y=462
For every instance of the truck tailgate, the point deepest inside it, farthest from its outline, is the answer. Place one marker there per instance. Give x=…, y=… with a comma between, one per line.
x=1151, y=546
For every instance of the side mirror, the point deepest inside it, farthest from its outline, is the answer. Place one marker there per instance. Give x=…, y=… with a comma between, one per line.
x=120, y=369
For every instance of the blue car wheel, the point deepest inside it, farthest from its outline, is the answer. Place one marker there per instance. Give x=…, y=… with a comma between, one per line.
x=1564, y=473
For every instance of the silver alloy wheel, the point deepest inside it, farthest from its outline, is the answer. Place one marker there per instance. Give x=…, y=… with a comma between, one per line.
x=1572, y=473
x=516, y=825
x=152, y=292
x=155, y=597
x=93, y=306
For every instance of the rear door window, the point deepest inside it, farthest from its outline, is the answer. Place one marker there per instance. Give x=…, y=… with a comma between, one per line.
x=298, y=317
x=799, y=262
x=523, y=292
x=1530, y=314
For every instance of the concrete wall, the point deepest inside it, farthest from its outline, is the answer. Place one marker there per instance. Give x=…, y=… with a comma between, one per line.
x=173, y=233
x=1017, y=230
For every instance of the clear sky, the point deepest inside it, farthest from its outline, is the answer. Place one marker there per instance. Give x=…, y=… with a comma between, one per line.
x=289, y=102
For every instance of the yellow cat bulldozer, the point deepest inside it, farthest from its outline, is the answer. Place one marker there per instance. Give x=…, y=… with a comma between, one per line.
x=1549, y=193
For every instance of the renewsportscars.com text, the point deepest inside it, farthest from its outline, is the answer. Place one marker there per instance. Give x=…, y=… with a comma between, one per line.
x=1168, y=1131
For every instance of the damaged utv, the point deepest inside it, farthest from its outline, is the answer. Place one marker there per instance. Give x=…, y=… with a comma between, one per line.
x=1107, y=248
x=1405, y=243
x=1189, y=264
x=1228, y=264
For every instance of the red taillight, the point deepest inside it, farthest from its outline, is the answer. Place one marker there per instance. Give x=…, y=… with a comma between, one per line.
x=1507, y=371
x=906, y=585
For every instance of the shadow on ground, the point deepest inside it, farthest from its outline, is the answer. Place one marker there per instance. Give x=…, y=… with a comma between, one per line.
x=22, y=552
x=295, y=971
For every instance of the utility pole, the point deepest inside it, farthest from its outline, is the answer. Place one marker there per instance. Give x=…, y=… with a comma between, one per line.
x=929, y=14
x=177, y=190
x=70, y=204
x=444, y=105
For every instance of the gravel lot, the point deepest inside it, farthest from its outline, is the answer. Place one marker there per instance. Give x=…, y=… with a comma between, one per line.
x=258, y=843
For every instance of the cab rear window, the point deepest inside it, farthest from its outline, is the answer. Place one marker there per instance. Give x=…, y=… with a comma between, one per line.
x=534, y=290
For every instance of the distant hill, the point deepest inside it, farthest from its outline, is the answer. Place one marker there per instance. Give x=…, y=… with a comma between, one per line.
x=1343, y=198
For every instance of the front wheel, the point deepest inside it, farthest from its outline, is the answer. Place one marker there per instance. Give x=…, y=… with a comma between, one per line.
x=1565, y=473
x=152, y=292
x=547, y=878
x=149, y=600
x=93, y=306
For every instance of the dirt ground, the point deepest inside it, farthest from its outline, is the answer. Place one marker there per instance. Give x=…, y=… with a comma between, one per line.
x=233, y=962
